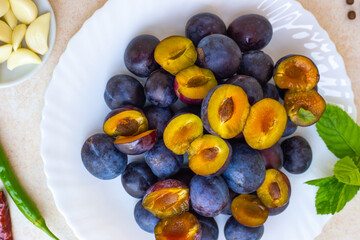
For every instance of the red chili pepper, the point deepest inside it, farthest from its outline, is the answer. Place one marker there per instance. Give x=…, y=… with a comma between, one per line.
x=5, y=220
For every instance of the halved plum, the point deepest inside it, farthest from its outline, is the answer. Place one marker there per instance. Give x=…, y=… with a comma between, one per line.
x=266, y=123
x=209, y=155
x=193, y=83
x=125, y=121
x=181, y=131
x=181, y=227
x=249, y=210
x=296, y=73
x=304, y=108
x=224, y=111
x=167, y=198
x=274, y=192
x=135, y=145
x=175, y=53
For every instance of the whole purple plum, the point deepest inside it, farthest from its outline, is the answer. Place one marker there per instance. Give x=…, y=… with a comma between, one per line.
x=124, y=90
x=202, y=25
x=145, y=219
x=139, y=55
x=258, y=65
x=137, y=178
x=250, y=32
x=101, y=158
x=159, y=89
x=220, y=54
x=163, y=162
x=246, y=172
x=208, y=195
x=158, y=117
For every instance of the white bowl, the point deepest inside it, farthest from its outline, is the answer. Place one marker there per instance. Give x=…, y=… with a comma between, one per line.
x=20, y=74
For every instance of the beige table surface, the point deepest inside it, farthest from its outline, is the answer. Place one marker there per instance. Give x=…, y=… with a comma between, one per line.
x=20, y=115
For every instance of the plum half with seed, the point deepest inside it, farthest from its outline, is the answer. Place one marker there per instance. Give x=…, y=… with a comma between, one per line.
x=167, y=198
x=249, y=210
x=209, y=155
x=304, y=108
x=225, y=110
x=266, y=124
x=175, y=53
x=193, y=83
x=125, y=121
x=181, y=131
x=180, y=227
x=274, y=192
x=296, y=73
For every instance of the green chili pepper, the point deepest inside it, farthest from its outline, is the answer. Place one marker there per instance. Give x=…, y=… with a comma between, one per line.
x=19, y=196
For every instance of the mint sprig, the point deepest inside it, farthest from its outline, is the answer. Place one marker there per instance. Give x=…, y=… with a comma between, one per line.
x=339, y=132
x=342, y=137
x=347, y=172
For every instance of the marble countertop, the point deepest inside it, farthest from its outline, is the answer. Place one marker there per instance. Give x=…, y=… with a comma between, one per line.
x=21, y=107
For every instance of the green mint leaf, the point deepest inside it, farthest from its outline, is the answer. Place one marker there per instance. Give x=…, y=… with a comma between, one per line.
x=332, y=197
x=339, y=132
x=306, y=115
x=347, y=172
x=320, y=182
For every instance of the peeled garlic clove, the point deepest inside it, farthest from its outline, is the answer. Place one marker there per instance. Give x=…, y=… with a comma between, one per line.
x=5, y=32
x=4, y=7
x=37, y=34
x=24, y=10
x=22, y=57
x=18, y=35
x=5, y=51
x=11, y=19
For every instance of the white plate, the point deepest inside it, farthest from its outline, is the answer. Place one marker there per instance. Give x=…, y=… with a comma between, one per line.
x=74, y=109
x=20, y=74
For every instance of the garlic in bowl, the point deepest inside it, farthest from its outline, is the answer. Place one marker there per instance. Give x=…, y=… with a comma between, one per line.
x=28, y=26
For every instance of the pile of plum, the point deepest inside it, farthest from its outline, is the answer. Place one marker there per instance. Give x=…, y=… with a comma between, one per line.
x=220, y=152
